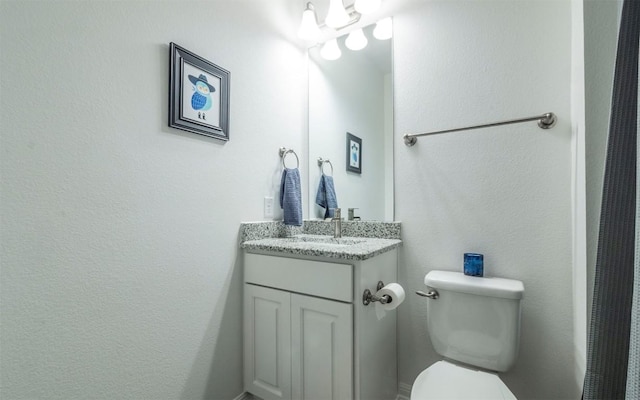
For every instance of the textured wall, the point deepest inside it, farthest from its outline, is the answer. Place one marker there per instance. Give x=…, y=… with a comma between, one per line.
x=504, y=192
x=120, y=270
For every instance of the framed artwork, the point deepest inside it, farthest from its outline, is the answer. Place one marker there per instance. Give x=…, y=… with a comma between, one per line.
x=354, y=153
x=198, y=94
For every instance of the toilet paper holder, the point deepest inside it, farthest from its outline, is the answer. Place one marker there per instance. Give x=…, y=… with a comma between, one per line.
x=368, y=297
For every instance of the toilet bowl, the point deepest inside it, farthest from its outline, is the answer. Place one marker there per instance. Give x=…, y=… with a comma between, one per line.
x=472, y=322
x=446, y=381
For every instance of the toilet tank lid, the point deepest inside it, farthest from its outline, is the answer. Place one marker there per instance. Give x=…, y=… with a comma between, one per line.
x=482, y=286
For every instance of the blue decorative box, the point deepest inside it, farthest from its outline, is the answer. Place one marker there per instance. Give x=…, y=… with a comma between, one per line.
x=473, y=264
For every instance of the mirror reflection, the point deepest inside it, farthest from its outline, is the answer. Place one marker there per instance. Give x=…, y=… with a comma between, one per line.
x=351, y=126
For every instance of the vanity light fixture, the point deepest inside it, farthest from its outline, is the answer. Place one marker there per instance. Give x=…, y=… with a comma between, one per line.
x=330, y=50
x=356, y=40
x=383, y=29
x=337, y=16
x=309, y=29
x=367, y=6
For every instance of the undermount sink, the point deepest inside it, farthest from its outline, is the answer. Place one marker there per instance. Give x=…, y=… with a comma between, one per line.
x=326, y=240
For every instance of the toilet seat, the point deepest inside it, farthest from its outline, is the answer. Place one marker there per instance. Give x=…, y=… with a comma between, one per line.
x=444, y=380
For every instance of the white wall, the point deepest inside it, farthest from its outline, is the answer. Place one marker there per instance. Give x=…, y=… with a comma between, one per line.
x=504, y=192
x=578, y=195
x=347, y=95
x=120, y=275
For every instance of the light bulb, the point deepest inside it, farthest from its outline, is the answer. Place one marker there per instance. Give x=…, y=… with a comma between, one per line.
x=330, y=50
x=309, y=25
x=337, y=16
x=356, y=40
x=367, y=6
x=383, y=29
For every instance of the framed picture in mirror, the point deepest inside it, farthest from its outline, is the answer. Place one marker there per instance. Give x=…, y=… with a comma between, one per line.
x=354, y=153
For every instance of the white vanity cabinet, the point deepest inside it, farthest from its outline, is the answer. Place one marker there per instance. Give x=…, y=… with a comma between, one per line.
x=267, y=342
x=307, y=334
x=296, y=346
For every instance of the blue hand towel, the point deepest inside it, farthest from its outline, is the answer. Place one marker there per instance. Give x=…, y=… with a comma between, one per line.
x=291, y=196
x=326, y=196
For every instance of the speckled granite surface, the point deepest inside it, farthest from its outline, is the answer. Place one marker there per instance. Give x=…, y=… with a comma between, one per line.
x=351, y=249
x=361, y=240
x=372, y=229
x=276, y=229
x=267, y=229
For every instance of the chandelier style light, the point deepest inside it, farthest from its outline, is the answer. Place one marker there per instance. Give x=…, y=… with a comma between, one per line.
x=356, y=40
x=338, y=17
x=383, y=29
x=330, y=50
x=309, y=29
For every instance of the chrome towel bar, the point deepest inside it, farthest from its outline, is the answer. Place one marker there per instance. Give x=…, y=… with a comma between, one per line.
x=545, y=121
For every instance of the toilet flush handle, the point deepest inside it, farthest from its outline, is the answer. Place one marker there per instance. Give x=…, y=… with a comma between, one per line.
x=432, y=294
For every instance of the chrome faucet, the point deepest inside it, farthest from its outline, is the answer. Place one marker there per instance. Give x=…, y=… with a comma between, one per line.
x=337, y=218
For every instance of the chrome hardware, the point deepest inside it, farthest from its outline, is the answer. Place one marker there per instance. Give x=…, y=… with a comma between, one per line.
x=351, y=216
x=409, y=140
x=545, y=121
x=368, y=297
x=337, y=218
x=432, y=294
x=283, y=154
x=322, y=162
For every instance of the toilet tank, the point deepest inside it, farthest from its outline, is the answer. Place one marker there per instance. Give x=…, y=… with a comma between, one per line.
x=475, y=320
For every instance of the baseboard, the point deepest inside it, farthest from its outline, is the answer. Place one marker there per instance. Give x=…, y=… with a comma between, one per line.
x=404, y=391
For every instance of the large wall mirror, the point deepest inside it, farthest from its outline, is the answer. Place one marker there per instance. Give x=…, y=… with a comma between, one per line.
x=353, y=95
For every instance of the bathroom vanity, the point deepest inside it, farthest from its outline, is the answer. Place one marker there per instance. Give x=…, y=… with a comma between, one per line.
x=307, y=333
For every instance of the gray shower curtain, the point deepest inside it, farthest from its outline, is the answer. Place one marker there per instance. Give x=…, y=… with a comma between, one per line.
x=613, y=345
x=633, y=372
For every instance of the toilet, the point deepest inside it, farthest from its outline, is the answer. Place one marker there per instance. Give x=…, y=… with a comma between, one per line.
x=474, y=323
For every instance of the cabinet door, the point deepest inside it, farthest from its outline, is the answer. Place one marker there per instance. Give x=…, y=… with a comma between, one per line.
x=322, y=349
x=267, y=341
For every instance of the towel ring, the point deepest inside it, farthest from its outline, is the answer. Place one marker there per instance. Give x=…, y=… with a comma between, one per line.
x=321, y=164
x=283, y=155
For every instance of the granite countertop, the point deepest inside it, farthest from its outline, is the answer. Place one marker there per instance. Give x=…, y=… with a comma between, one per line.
x=347, y=248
